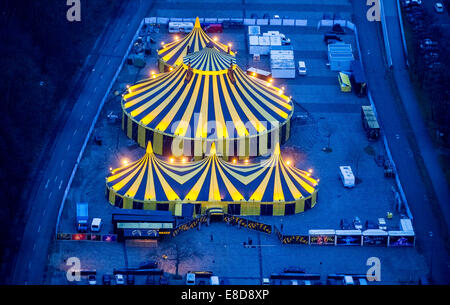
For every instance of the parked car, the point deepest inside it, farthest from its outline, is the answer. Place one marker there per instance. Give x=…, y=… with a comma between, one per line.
x=337, y=29
x=382, y=224
x=130, y=279
x=163, y=281
x=357, y=223
x=106, y=279
x=294, y=269
x=439, y=7
x=149, y=265
x=119, y=279
x=213, y=28
x=301, y=68
x=345, y=225
x=371, y=225
x=92, y=280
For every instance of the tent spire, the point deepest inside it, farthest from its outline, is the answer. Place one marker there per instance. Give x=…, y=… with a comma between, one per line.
x=213, y=149
x=197, y=23
x=149, y=148
x=276, y=152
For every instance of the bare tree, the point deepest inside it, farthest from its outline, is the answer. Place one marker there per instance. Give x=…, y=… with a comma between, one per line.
x=178, y=251
x=355, y=154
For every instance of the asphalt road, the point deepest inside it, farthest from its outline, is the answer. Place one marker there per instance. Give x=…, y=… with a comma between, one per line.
x=395, y=125
x=46, y=198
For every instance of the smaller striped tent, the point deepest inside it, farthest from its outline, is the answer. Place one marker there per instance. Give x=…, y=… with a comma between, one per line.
x=270, y=187
x=171, y=54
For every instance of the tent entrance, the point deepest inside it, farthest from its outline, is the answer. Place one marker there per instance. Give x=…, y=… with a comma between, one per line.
x=215, y=214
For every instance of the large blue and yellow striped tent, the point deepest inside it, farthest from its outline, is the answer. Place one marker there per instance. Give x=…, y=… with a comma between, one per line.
x=172, y=54
x=270, y=187
x=207, y=99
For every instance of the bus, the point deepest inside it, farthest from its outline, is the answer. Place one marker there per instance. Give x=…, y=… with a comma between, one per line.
x=344, y=82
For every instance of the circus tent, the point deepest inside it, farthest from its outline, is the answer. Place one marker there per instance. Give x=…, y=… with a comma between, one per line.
x=171, y=54
x=207, y=99
x=270, y=187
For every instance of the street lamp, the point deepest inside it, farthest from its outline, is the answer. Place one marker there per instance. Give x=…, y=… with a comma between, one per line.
x=431, y=256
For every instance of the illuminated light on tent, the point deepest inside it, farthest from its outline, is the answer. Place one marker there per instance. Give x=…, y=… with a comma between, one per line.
x=125, y=161
x=211, y=181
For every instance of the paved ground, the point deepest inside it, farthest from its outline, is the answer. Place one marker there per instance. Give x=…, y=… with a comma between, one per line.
x=408, y=141
x=331, y=110
x=48, y=192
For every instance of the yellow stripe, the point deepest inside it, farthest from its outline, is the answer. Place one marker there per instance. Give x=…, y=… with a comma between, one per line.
x=183, y=126
x=137, y=183
x=214, y=192
x=149, y=117
x=222, y=131
x=240, y=127
x=294, y=191
x=278, y=189
x=123, y=182
x=235, y=194
x=259, y=192
x=150, y=193
x=202, y=127
x=193, y=193
x=170, y=193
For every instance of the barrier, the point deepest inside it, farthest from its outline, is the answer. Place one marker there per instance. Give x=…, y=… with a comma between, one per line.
x=385, y=35
x=189, y=225
x=400, y=19
x=246, y=223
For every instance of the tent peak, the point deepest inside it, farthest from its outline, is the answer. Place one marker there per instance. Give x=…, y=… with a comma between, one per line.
x=277, y=149
x=213, y=149
x=149, y=148
x=197, y=22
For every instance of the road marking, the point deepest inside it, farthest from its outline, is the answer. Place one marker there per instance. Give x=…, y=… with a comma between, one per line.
x=39, y=229
x=68, y=147
x=50, y=195
x=62, y=162
x=43, y=213
x=95, y=89
x=89, y=101
x=109, y=61
x=81, y=118
x=47, y=183
x=75, y=131
x=121, y=36
x=60, y=185
x=29, y=265
x=56, y=178
x=34, y=246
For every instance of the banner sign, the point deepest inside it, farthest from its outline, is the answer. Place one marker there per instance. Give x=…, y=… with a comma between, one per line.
x=86, y=236
x=249, y=224
x=322, y=240
x=348, y=240
x=401, y=241
x=189, y=225
x=375, y=240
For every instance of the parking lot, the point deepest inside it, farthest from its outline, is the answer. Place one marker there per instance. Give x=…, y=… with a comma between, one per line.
x=332, y=116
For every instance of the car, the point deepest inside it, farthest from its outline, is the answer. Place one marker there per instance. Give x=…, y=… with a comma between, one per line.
x=119, y=279
x=92, y=280
x=149, y=265
x=230, y=24
x=130, y=279
x=371, y=225
x=337, y=29
x=163, y=281
x=439, y=7
x=409, y=3
x=213, y=28
x=190, y=278
x=150, y=280
x=301, y=68
x=106, y=279
x=357, y=223
x=294, y=269
x=345, y=225
x=382, y=224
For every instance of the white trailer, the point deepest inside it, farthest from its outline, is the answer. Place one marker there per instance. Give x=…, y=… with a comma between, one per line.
x=347, y=177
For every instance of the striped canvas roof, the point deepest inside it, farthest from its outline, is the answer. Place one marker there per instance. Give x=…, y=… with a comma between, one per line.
x=205, y=101
x=211, y=179
x=173, y=53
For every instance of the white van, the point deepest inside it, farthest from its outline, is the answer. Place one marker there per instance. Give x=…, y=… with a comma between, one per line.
x=190, y=279
x=301, y=68
x=96, y=224
x=214, y=280
x=347, y=177
x=180, y=27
